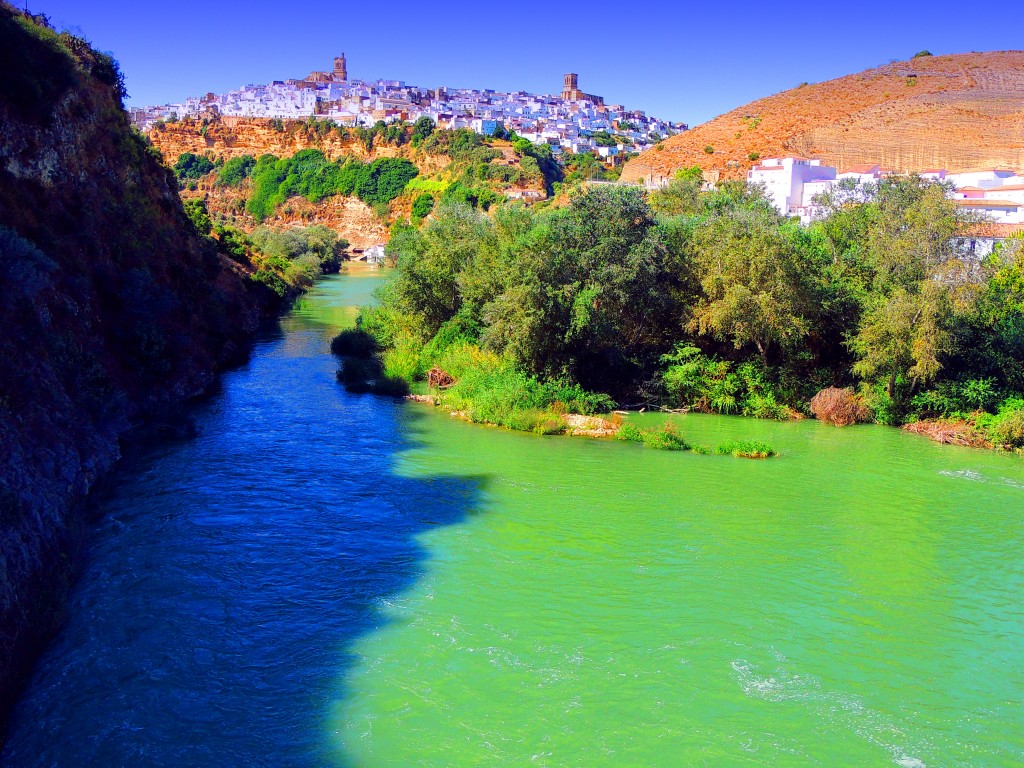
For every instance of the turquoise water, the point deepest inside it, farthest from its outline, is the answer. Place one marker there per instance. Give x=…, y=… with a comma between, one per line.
x=327, y=579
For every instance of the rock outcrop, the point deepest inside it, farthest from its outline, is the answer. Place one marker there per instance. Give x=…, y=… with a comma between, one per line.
x=113, y=310
x=954, y=112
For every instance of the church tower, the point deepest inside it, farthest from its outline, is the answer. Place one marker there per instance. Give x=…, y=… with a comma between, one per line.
x=570, y=86
x=340, y=70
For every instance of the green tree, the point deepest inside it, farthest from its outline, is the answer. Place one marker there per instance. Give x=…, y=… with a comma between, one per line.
x=195, y=209
x=192, y=166
x=754, y=280
x=423, y=205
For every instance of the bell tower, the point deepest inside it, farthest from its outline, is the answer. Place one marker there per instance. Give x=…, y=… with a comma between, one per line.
x=570, y=86
x=340, y=69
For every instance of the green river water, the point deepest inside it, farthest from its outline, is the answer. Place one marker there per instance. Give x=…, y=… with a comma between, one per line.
x=853, y=602
x=326, y=579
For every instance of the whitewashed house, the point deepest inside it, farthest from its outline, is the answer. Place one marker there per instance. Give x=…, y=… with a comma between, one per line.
x=375, y=254
x=784, y=179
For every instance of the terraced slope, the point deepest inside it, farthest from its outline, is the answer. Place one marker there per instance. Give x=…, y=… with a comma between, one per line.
x=955, y=112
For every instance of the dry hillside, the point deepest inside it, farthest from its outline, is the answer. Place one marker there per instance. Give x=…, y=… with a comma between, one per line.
x=955, y=112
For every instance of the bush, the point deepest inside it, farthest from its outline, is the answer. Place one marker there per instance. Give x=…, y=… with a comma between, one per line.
x=630, y=433
x=235, y=171
x=666, y=438
x=354, y=342
x=423, y=205
x=709, y=150
x=197, y=213
x=1006, y=427
x=840, y=407
x=192, y=166
x=746, y=449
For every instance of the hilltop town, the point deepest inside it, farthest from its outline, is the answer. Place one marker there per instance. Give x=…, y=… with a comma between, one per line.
x=571, y=121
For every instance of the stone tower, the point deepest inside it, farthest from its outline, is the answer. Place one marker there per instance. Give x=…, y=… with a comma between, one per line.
x=340, y=70
x=571, y=91
x=570, y=86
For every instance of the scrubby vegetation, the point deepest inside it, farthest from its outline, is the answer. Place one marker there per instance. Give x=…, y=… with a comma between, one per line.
x=310, y=174
x=710, y=300
x=746, y=449
x=287, y=261
x=235, y=171
x=192, y=166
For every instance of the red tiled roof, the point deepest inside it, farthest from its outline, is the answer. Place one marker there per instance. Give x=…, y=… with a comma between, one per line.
x=988, y=203
x=861, y=168
x=990, y=229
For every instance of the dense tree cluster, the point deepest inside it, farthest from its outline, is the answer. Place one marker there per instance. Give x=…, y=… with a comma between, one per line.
x=310, y=174
x=713, y=300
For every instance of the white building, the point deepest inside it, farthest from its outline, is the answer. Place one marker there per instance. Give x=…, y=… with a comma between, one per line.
x=784, y=179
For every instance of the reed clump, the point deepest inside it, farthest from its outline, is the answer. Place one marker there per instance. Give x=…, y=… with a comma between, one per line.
x=840, y=407
x=746, y=449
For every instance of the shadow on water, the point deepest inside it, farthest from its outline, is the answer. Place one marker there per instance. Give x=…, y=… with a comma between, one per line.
x=229, y=572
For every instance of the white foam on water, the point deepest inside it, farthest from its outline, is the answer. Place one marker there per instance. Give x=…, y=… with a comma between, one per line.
x=966, y=474
x=846, y=710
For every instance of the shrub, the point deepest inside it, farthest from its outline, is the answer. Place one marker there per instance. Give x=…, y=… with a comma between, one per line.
x=423, y=205
x=703, y=450
x=1006, y=427
x=754, y=157
x=709, y=150
x=746, y=449
x=353, y=342
x=192, y=166
x=235, y=171
x=197, y=213
x=840, y=407
x=630, y=433
x=549, y=424
x=666, y=439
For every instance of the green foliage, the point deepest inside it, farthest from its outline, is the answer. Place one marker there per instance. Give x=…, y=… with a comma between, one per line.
x=694, y=380
x=235, y=171
x=665, y=438
x=289, y=261
x=354, y=342
x=308, y=173
x=706, y=299
x=1005, y=428
x=422, y=205
x=709, y=150
x=747, y=449
x=754, y=157
x=195, y=209
x=604, y=139
x=192, y=166
x=384, y=180
x=921, y=54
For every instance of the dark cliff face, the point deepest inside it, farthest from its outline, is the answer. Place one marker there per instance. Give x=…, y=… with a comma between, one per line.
x=112, y=309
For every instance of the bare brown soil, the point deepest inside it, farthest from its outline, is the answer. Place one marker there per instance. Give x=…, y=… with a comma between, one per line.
x=954, y=112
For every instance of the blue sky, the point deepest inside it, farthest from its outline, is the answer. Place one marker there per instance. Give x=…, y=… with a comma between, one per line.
x=681, y=61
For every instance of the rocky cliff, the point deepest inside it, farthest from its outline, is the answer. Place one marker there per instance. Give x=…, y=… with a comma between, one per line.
x=113, y=310
x=224, y=138
x=955, y=112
